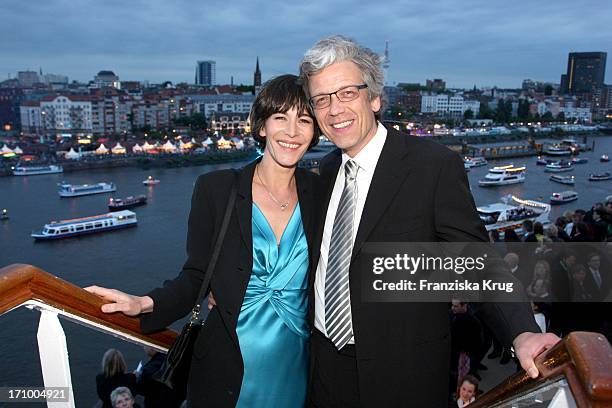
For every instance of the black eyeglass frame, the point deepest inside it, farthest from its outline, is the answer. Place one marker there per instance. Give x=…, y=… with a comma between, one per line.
x=329, y=95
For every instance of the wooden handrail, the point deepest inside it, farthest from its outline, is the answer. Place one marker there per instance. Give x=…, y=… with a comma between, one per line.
x=584, y=359
x=20, y=283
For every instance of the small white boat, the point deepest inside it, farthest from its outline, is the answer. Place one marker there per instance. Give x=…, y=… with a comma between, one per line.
x=558, y=150
x=579, y=160
x=563, y=179
x=604, y=158
x=511, y=213
x=563, y=197
x=600, y=176
x=21, y=170
x=86, y=225
x=150, y=181
x=558, y=167
x=503, y=175
x=4, y=215
x=470, y=162
x=77, y=190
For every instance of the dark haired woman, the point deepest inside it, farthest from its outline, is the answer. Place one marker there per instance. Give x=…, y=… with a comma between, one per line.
x=253, y=349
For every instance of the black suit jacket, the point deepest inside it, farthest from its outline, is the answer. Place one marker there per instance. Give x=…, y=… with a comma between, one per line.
x=217, y=367
x=419, y=193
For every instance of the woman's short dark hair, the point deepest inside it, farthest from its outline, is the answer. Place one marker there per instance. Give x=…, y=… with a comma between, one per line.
x=280, y=95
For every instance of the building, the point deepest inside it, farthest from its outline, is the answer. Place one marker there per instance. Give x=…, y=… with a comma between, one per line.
x=257, y=76
x=435, y=85
x=10, y=100
x=106, y=79
x=57, y=115
x=28, y=78
x=585, y=72
x=228, y=103
x=206, y=73
x=228, y=121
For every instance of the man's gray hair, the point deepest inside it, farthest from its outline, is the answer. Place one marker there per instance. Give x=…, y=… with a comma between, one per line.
x=337, y=48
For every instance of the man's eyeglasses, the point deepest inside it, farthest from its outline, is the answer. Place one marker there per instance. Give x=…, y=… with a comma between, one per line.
x=346, y=94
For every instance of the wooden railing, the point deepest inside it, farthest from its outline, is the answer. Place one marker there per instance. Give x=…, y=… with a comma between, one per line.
x=20, y=284
x=583, y=359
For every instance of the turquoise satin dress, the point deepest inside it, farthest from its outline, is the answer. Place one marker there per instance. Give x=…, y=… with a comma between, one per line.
x=272, y=327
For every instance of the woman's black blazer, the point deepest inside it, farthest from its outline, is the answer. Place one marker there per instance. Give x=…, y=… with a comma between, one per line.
x=217, y=367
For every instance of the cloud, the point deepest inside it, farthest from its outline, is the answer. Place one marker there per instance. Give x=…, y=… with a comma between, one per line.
x=470, y=42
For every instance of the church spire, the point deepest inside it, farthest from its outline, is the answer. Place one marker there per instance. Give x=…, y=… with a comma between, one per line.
x=257, y=75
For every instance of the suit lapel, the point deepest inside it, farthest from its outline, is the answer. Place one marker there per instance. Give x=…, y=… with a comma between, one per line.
x=244, y=204
x=391, y=171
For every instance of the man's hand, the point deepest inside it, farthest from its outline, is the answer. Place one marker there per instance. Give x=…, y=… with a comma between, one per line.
x=528, y=345
x=130, y=305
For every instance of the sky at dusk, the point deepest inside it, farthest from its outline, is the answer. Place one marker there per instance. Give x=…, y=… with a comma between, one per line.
x=467, y=43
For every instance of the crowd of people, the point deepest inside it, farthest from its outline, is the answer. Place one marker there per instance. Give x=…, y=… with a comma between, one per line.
x=564, y=268
x=117, y=388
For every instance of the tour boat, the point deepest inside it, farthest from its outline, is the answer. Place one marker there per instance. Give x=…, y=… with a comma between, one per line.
x=511, y=213
x=543, y=162
x=563, y=197
x=563, y=179
x=559, y=166
x=116, y=204
x=76, y=190
x=21, y=170
x=503, y=175
x=86, y=225
x=600, y=176
x=150, y=181
x=604, y=158
x=470, y=162
x=558, y=150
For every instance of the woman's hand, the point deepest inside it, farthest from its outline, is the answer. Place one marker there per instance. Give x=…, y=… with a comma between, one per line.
x=211, y=301
x=129, y=305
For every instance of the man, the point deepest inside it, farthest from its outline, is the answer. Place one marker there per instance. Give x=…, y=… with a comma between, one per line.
x=383, y=186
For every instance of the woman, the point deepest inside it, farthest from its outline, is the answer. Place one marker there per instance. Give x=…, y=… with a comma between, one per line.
x=539, y=288
x=252, y=350
x=467, y=392
x=122, y=397
x=113, y=375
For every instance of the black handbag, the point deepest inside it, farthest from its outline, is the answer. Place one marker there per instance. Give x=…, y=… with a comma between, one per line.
x=174, y=372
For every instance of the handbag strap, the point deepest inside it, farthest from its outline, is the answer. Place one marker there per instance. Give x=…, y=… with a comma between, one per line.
x=217, y=249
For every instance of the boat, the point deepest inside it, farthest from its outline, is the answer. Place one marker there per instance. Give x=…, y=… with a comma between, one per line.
x=559, y=166
x=21, y=170
x=563, y=179
x=600, y=176
x=116, y=204
x=150, y=181
x=503, y=175
x=543, y=162
x=604, y=158
x=511, y=212
x=579, y=160
x=86, y=225
x=470, y=162
x=76, y=190
x=563, y=197
x=558, y=150
x=4, y=215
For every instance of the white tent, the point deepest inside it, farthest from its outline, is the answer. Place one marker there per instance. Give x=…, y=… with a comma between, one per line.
x=72, y=155
x=207, y=142
x=146, y=146
x=6, y=149
x=136, y=148
x=193, y=141
x=224, y=143
x=17, y=150
x=184, y=146
x=102, y=149
x=238, y=143
x=118, y=149
x=168, y=147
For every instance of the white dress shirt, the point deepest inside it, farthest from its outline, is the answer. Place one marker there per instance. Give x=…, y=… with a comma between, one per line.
x=366, y=159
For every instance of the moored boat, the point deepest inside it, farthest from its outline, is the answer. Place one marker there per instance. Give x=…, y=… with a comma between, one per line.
x=604, y=158
x=76, y=190
x=558, y=150
x=116, y=204
x=86, y=225
x=4, y=215
x=579, y=160
x=470, y=162
x=563, y=179
x=559, y=166
x=511, y=213
x=600, y=176
x=22, y=170
x=503, y=175
x=150, y=181
x=563, y=197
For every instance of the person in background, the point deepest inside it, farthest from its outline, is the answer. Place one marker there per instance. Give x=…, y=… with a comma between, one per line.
x=467, y=391
x=528, y=234
x=114, y=374
x=539, y=287
x=121, y=397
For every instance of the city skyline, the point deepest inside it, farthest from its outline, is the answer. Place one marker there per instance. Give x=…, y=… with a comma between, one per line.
x=471, y=44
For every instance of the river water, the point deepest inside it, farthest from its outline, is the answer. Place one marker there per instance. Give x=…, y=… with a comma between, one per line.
x=138, y=259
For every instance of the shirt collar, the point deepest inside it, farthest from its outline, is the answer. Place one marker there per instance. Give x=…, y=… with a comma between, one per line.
x=367, y=158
